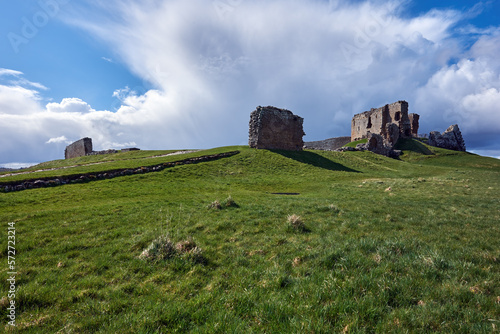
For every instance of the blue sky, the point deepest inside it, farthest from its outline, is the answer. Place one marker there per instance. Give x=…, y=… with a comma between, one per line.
x=176, y=74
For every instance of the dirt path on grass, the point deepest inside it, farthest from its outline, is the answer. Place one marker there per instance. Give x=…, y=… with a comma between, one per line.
x=93, y=163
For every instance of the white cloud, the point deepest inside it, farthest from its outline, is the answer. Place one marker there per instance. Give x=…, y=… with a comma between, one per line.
x=16, y=100
x=5, y=71
x=467, y=93
x=55, y=140
x=70, y=105
x=211, y=66
x=18, y=79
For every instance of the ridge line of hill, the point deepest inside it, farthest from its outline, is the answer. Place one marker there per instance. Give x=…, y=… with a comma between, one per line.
x=44, y=182
x=90, y=164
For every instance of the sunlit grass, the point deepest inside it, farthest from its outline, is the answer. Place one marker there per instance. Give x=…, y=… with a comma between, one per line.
x=422, y=257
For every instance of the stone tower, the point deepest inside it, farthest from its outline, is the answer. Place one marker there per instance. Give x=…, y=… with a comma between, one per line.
x=274, y=128
x=390, y=121
x=79, y=148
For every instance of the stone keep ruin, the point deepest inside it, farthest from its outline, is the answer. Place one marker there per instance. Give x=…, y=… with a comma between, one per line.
x=384, y=126
x=391, y=121
x=274, y=128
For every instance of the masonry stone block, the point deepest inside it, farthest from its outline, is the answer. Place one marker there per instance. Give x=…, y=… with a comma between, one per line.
x=79, y=148
x=275, y=128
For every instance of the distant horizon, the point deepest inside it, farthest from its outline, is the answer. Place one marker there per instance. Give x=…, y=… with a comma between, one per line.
x=18, y=166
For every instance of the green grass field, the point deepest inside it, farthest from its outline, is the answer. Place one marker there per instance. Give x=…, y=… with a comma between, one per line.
x=380, y=245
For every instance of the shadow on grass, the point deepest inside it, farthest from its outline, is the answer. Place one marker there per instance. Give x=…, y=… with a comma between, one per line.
x=413, y=145
x=314, y=159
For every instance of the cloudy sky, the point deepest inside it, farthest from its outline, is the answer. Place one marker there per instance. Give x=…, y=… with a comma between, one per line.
x=166, y=74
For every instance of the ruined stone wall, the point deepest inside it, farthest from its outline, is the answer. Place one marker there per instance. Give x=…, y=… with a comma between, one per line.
x=414, y=121
x=376, y=121
x=79, y=148
x=398, y=114
x=451, y=139
x=274, y=128
x=367, y=122
x=328, y=144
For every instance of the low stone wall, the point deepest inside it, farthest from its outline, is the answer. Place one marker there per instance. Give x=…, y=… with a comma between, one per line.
x=330, y=144
x=87, y=177
x=111, y=151
x=130, y=149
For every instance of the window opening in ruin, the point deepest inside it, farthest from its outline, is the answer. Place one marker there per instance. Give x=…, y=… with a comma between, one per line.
x=397, y=117
x=369, y=123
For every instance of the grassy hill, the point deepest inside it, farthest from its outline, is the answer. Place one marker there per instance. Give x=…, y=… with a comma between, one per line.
x=262, y=241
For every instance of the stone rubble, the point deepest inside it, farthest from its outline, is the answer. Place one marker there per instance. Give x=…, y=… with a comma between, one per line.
x=330, y=144
x=451, y=139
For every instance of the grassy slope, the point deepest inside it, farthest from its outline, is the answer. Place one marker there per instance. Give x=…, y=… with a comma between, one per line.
x=421, y=257
x=100, y=163
x=354, y=143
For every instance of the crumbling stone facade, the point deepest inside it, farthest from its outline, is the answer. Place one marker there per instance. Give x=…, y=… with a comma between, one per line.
x=79, y=148
x=384, y=126
x=378, y=121
x=451, y=139
x=377, y=144
x=274, y=128
x=414, y=121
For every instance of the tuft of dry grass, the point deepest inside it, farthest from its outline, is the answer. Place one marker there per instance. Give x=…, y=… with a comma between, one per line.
x=163, y=248
x=297, y=261
x=186, y=246
x=295, y=222
x=229, y=202
x=4, y=302
x=215, y=205
x=334, y=208
x=160, y=249
x=190, y=251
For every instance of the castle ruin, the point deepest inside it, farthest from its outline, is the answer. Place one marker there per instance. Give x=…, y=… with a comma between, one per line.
x=83, y=147
x=79, y=148
x=274, y=128
x=391, y=121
